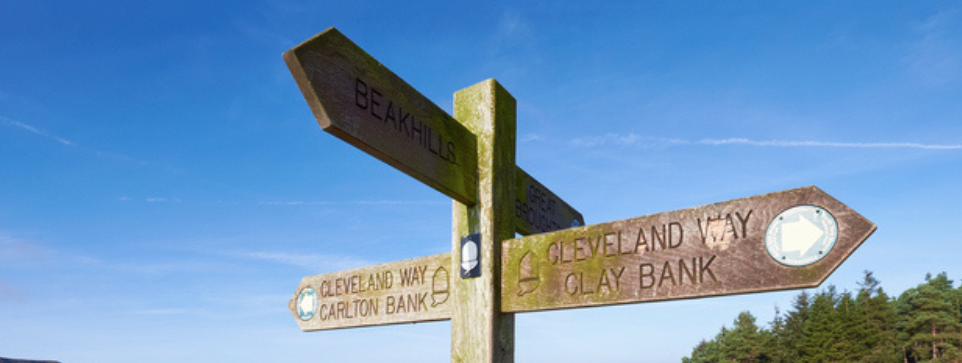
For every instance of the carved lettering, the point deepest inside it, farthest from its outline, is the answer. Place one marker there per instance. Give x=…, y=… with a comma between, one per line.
x=389, y=114
x=360, y=94
x=705, y=267
x=676, y=273
x=666, y=271
x=374, y=103
x=646, y=273
x=582, y=246
x=384, y=109
x=744, y=222
x=672, y=236
x=641, y=240
x=610, y=280
x=720, y=232
x=451, y=155
x=412, y=275
x=575, y=284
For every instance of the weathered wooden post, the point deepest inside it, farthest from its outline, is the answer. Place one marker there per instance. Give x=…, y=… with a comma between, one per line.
x=480, y=332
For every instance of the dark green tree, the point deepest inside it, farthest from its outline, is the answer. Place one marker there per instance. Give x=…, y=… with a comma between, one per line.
x=903, y=334
x=704, y=352
x=775, y=342
x=743, y=343
x=875, y=331
x=923, y=325
x=822, y=338
x=849, y=334
x=794, y=330
x=932, y=321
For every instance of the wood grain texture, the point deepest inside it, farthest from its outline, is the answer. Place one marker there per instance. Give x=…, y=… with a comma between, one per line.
x=405, y=291
x=480, y=332
x=360, y=101
x=538, y=210
x=712, y=250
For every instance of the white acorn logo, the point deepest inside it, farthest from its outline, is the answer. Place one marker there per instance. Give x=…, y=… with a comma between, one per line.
x=469, y=256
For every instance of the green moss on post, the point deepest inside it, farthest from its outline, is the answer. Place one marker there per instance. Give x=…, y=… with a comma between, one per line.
x=479, y=331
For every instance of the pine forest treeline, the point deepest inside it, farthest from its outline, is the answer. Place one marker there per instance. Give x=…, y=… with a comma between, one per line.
x=924, y=324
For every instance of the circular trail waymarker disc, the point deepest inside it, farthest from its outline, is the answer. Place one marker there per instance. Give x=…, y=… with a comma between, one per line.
x=801, y=235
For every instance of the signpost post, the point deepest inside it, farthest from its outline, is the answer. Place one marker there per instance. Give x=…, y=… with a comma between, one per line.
x=785, y=240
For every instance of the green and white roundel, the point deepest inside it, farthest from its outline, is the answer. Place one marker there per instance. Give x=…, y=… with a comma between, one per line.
x=306, y=304
x=801, y=235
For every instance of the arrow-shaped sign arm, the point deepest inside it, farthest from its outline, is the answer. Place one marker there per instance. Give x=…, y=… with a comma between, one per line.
x=357, y=99
x=784, y=240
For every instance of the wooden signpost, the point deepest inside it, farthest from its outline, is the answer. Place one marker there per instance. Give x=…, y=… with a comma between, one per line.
x=713, y=250
x=406, y=291
x=785, y=240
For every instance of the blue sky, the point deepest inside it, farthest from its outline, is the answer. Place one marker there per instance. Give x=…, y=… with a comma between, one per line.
x=164, y=186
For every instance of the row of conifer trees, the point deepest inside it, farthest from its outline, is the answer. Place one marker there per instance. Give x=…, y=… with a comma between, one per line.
x=923, y=324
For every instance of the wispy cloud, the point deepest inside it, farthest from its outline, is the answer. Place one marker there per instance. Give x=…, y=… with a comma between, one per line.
x=14, y=251
x=163, y=268
x=150, y=199
x=352, y=202
x=147, y=268
x=396, y=202
x=936, y=58
x=513, y=26
x=264, y=35
x=34, y=130
x=629, y=139
x=246, y=303
x=632, y=139
x=864, y=145
x=162, y=312
x=512, y=39
x=50, y=136
x=306, y=260
x=11, y=293
x=530, y=138
x=19, y=252
x=161, y=200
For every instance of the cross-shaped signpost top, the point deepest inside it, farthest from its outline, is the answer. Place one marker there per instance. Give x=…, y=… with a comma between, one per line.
x=784, y=240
